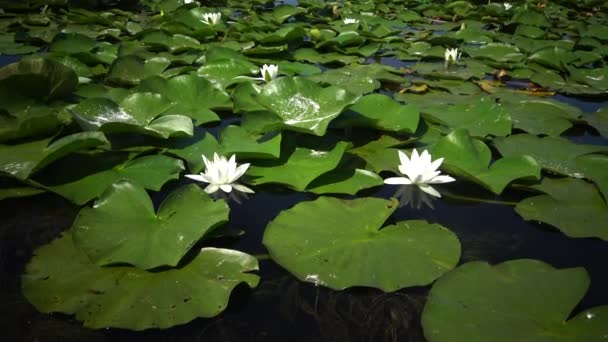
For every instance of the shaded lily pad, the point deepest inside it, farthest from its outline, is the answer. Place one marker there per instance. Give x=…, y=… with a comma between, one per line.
x=122, y=226
x=192, y=149
x=482, y=118
x=344, y=181
x=304, y=105
x=21, y=161
x=380, y=112
x=96, y=172
x=236, y=140
x=339, y=244
x=477, y=302
x=38, y=78
x=599, y=121
x=130, y=69
x=573, y=206
x=61, y=278
x=497, y=52
x=191, y=95
x=359, y=79
x=298, y=167
x=560, y=156
x=470, y=158
x=139, y=112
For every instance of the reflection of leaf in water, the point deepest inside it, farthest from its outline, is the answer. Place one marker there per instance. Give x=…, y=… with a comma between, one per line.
x=356, y=314
x=411, y=195
x=484, y=246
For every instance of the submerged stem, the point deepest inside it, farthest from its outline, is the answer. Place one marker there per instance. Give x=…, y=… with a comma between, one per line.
x=479, y=200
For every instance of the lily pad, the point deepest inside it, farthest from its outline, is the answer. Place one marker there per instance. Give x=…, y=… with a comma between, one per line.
x=298, y=167
x=304, y=105
x=508, y=302
x=130, y=69
x=497, y=52
x=191, y=95
x=599, y=121
x=122, y=226
x=139, y=112
x=380, y=112
x=38, y=78
x=339, y=244
x=21, y=161
x=236, y=140
x=470, y=158
x=344, y=180
x=61, y=278
x=97, y=171
x=482, y=118
x=560, y=156
x=573, y=206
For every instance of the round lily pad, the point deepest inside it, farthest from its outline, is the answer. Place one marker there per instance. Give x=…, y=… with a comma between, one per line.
x=61, y=278
x=339, y=244
x=519, y=300
x=122, y=226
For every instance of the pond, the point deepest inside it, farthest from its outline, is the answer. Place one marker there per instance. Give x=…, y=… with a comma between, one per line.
x=106, y=110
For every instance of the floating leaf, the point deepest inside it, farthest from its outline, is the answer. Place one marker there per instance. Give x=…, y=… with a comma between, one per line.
x=191, y=95
x=571, y=205
x=236, y=140
x=131, y=69
x=21, y=161
x=339, y=244
x=61, y=278
x=38, y=77
x=599, y=121
x=96, y=172
x=508, y=302
x=122, y=226
x=298, y=167
x=304, y=105
x=470, y=158
x=393, y=117
x=344, y=181
x=139, y=112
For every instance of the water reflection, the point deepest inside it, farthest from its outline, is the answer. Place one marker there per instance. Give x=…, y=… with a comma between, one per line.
x=412, y=196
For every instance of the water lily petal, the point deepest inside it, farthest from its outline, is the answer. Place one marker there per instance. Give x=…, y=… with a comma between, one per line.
x=429, y=190
x=441, y=179
x=239, y=172
x=199, y=178
x=211, y=188
x=435, y=165
x=242, y=188
x=226, y=187
x=397, y=180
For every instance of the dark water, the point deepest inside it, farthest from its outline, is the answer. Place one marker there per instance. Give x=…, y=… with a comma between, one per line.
x=282, y=308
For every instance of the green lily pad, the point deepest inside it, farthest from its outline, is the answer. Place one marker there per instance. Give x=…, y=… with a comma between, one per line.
x=72, y=43
x=344, y=180
x=61, y=278
x=312, y=56
x=122, y=226
x=304, y=105
x=497, y=52
x=38, y=78
x=540, y=116
x=393, y=117
x=573, y=206
x=24, y=191
x=139, y=112
x=192, y=149
x=339, y=244
x=21, y=161
x=560, y=156
x=438, y=70
x=482, y=118
x=599, y=121
x=191, y=95
x=379, y=154
x=298, y=167
x=359, y=79
x=553, y=57
x=96, y=172
x=222, y=73
x=470, y=158
x=508, y=302
x=236, y=140
x=130, y=69
x=282, y=12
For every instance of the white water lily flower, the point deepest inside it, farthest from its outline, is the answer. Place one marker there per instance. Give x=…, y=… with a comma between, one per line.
x=347, y=21
x=420, y=171
x=451, y=56
x=222, y=174
x=507, y=6
x=269, y=72
x=212, y=18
